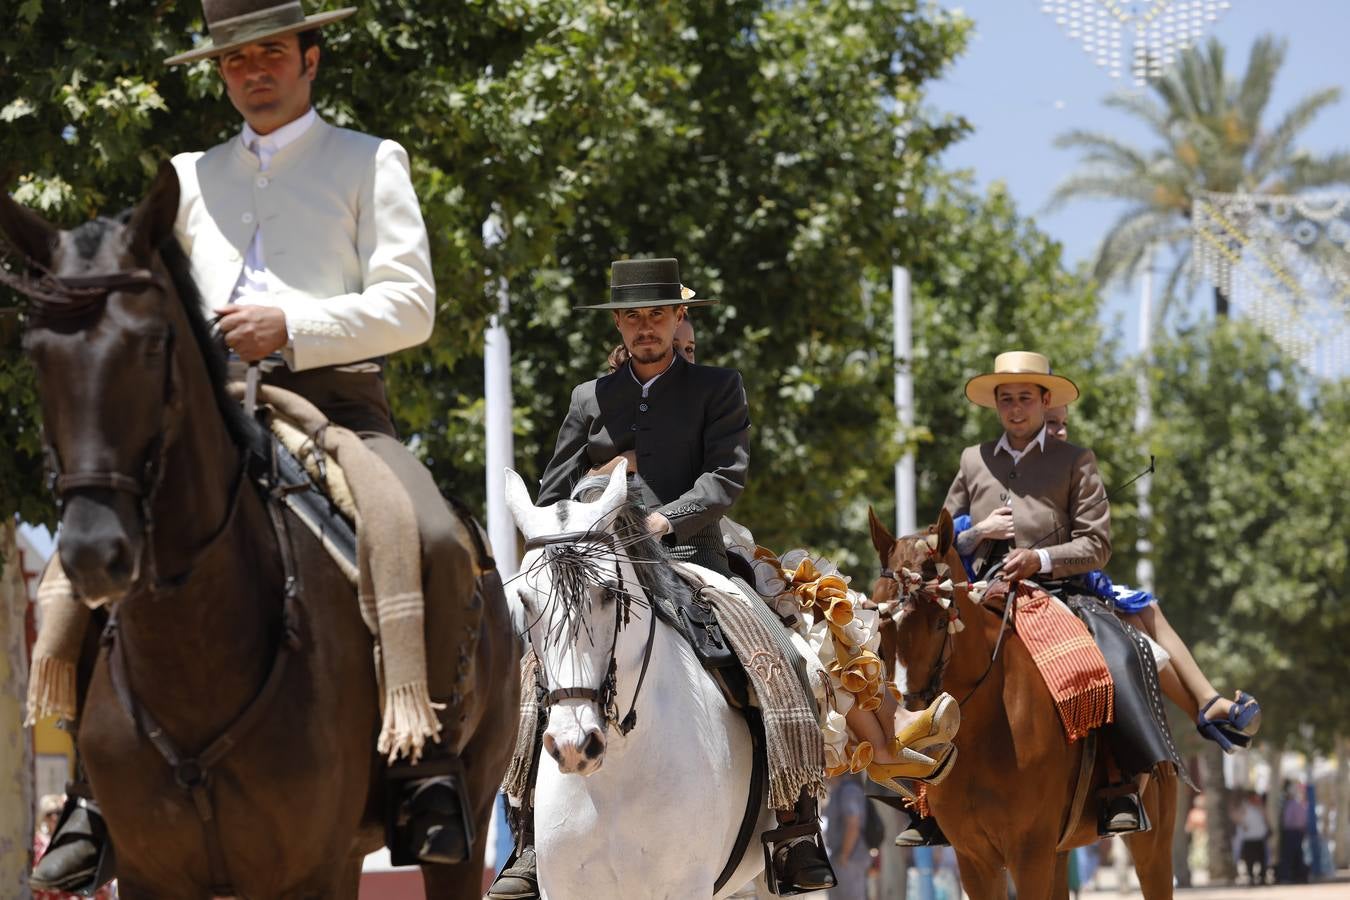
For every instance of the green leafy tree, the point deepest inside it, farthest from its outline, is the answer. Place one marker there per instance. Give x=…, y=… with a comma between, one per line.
x=766, y=144
x=1211, y=135
x=1249, y=542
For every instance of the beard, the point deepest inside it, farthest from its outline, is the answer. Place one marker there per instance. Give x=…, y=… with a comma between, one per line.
x=650, y=353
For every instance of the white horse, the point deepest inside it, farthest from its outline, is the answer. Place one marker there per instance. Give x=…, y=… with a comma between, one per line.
x=652, y=813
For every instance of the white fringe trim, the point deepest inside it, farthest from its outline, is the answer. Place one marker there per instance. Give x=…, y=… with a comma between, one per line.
x=409, y=720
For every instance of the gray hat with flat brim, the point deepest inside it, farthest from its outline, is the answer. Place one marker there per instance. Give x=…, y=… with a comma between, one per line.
x=235, y=23
x=640, y=283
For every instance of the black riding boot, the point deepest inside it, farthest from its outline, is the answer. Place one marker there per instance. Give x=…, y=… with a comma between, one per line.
x=1120, y=810
x=427, y=819
x=795, y=860
x=922, y=831
x=79, y=859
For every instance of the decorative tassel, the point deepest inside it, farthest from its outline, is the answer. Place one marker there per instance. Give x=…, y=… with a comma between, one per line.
x=409, y=720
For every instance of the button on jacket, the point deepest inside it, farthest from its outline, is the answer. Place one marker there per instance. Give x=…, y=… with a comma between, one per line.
x=1057, y=498
x=346, y=250
x=691, y=434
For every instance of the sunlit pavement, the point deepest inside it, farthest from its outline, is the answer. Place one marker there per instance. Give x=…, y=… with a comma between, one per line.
x=1324, y=890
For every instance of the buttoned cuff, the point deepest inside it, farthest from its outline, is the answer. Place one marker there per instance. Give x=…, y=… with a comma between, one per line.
x=1045, y=560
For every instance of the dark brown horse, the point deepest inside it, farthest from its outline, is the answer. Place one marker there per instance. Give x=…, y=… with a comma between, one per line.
x=1012, y=800
x=155, y=511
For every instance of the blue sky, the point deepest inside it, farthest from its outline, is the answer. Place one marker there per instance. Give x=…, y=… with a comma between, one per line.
x=1022, y=81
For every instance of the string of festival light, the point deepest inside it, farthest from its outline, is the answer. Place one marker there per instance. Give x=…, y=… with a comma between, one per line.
x=1156, y=30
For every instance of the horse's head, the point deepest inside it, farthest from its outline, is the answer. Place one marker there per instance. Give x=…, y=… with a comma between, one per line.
x=100, y=341
x=578, y=587
x=917, y=591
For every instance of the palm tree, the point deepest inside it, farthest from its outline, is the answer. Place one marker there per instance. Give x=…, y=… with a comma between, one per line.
x=1210, y=130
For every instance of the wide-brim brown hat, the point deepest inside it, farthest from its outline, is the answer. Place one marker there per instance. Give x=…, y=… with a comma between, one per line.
x=640, y=283
x=234, y=23
x=1020, y=366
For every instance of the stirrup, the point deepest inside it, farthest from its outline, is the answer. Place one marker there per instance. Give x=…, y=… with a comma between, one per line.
x=86, y=882
x=782, y=838
x=1116, y=792
x=396, y=806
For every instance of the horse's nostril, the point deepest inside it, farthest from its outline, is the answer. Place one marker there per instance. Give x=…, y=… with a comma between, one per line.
x=594, y=746
x=119, y=563
x=551, y=748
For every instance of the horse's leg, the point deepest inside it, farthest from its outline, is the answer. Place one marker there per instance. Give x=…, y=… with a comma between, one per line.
x=982, y=880
x=1061, y=888
x=1152, y=849
x=348, y=885
x=1034, y=872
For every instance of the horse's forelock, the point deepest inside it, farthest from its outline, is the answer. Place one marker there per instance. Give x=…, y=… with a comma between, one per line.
x=88, y=238
x=650, y=560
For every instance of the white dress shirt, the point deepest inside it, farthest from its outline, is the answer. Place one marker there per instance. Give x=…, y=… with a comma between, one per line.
x=647, y=385
x=1039, y=443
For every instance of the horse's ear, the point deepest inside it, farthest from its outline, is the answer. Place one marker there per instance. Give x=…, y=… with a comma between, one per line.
x=152, y=222
x=946, y=532
x=28, y=232
x=616, y=492
x=519, y=503
x=882, y=538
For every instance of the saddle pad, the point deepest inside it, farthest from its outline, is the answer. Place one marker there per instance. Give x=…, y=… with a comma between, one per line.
x=1068, y=659
x=324, y=516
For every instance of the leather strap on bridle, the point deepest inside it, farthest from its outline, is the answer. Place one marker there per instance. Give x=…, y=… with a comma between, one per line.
x=112, y=480
x=193, y=773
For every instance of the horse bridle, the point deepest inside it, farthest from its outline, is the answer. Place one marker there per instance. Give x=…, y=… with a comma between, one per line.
x=605, y=696
x=68, y=298
x=913, y=584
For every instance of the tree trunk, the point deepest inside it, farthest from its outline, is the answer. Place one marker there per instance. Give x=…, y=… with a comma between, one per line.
x=1218, y=818
x=1221, y=305
x=1342, y=803
x=16, y=752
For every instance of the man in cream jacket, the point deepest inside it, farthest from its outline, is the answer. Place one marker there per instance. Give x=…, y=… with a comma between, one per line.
x=307, y=241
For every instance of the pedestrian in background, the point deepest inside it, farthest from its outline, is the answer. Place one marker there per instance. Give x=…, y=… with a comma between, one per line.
x=1293, y=869
x=1254, y=835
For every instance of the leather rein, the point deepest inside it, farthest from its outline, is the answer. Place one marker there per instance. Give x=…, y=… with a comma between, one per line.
x=70, y=298
x=605, y=697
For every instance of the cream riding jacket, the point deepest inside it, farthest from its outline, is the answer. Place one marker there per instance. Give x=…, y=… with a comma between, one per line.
x=346, y=249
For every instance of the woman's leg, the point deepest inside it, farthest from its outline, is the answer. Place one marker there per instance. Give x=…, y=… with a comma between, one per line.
x=1152, y=620
x=880, y=726
x=1176, y=691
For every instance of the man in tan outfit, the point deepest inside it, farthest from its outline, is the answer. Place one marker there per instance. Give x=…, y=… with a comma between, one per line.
x=1039, y=505
x=1040, y=512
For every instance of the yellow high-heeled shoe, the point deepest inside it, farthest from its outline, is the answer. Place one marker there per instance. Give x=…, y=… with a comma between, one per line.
x=936, y=726
x=930, y=770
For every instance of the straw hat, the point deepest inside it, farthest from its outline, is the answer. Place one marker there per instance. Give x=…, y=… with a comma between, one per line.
x=234, y=23
x=1020, y=366
x=638, y=283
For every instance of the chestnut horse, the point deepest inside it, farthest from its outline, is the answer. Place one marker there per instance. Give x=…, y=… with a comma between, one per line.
x=156, y=510
x=1009, y=802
